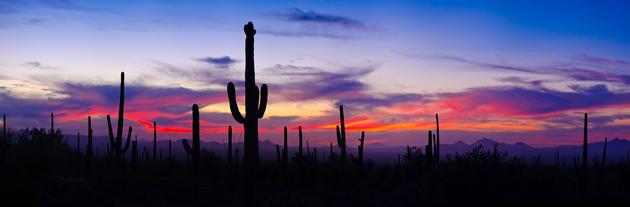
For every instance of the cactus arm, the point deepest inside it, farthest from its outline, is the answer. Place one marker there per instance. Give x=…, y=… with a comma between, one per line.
x=263, y=101
x=187, y=146
x=128, y=139
x=111, y=133
x=233, y=104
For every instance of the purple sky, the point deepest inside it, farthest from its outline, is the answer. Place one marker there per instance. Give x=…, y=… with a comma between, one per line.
x=510, y=71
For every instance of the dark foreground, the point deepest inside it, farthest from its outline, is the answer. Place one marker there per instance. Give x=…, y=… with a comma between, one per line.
x=50, y=174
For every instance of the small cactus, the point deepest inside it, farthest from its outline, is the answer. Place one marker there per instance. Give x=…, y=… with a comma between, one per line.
x=154, y=140
x=341, y=133
x=437, y=140
x=285, y=150
x=194, y=151
x=89, y=151
x=278, y=153
x=308, y=149
x=585, y=148
x=361, y=147
x=300, y=136
x=429, y=149
x=331, y=148
x=4, y=128
x=52, y=123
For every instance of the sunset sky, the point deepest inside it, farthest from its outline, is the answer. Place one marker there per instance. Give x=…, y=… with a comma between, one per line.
x=506, y=70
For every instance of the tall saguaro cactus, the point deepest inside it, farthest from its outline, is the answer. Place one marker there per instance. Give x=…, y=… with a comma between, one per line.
x=255, y=103
x=341, y=133
x=194, y=150
x=116, y=143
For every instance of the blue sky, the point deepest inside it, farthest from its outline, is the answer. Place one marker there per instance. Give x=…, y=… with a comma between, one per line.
x=507, y=70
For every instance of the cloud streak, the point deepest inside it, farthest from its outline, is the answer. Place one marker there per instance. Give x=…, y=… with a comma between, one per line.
x=572, y=72
x=298, y=15
x=221, y=62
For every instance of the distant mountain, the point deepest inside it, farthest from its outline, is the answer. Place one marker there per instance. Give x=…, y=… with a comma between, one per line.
x=617, y=149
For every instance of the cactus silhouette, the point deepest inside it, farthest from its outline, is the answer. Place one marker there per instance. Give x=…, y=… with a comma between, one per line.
x=255, y=103
x=194, y=151
x=89, y=151
x=116, y=143
x=300, y=137
x=52, y=123
x=360, y=148
x=4, y=128
x=154, y=140
x=229, y=151
x=331, y=150
x=285, y=150
x=341, y=133
x=437, y=140
x=429, y=149
x=585, y=148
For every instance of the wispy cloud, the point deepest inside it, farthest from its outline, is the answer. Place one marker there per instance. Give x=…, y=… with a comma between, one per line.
x=307, y=33
x=516, y=101
x=221, y=62
x=306, y=83
x=570, y=71
x=602, y=60
x=309, y=23
x=39, y=65
x=298, y=15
